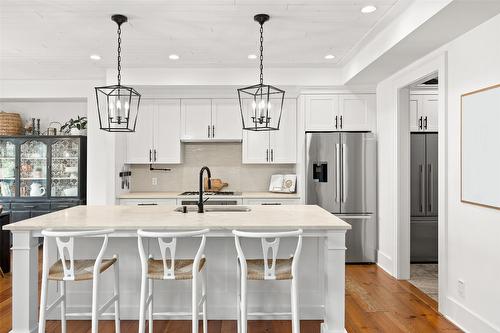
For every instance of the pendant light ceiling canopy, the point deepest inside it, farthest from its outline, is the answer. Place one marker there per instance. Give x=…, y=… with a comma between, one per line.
x=261, y=104
x=118, y=105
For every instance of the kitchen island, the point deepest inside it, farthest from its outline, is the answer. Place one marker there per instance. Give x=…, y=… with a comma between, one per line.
x=321, y=279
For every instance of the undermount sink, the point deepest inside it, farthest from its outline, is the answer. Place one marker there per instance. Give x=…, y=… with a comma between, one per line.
x=214, y=208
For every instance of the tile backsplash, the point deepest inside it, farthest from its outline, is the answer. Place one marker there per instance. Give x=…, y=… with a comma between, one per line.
x=224, y=161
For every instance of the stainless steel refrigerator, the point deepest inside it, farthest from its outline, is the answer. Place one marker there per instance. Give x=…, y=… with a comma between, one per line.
x=424, y=197
x=342, y=178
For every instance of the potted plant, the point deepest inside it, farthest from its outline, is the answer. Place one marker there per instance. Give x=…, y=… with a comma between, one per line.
x=76, y=126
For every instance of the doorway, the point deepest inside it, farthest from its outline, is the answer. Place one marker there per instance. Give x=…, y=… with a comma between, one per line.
x=424, y=154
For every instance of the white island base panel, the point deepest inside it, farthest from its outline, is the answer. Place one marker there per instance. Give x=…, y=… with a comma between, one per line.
x=321, y=279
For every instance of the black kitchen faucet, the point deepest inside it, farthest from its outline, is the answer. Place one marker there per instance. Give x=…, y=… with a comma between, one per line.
x=200, y=200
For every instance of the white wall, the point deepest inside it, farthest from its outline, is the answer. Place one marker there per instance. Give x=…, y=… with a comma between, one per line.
x=472, y=232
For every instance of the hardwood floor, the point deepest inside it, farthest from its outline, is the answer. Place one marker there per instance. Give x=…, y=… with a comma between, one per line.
x=375, y=302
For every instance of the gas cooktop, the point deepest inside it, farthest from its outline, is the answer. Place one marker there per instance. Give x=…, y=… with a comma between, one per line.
x=211, y=193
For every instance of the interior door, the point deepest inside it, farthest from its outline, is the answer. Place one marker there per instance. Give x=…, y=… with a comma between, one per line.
x=283, y=143
x=226, y=120
x=417, y=171
x=359, y=173
x=140, y=142
x=167, y=144
x=323, y=170
x=196, y=119
x=432, y=173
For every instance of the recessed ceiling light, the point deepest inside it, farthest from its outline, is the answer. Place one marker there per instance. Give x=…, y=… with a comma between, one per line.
x=252, y=56
x=173, y=57
x=95, y=57
x=368, y=9
x=329, y=56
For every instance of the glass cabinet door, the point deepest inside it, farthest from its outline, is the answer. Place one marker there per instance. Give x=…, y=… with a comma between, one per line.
x=33, y=169
x=65, y=170
x=7, y=169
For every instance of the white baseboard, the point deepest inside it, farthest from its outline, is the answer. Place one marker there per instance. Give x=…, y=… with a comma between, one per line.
x=466, y=319
x=385, y=262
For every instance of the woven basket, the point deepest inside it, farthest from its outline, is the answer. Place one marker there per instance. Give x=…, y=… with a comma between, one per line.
x=10, y=124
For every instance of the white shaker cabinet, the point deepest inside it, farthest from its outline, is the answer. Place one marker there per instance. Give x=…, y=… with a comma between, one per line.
x=156, y=139
x=342, y=112
x=226, y=120
x=424, y=112
x=205, y=120
x=278, y=147
x=196, y=119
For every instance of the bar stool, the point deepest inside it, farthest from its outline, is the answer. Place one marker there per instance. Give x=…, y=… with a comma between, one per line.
x=267, y=269
x=170, y=268
x=67, y=268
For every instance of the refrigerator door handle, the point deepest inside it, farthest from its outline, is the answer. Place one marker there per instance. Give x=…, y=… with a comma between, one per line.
x=337, y=171
x=430, y=188
x=344, y=172
x=421, y=187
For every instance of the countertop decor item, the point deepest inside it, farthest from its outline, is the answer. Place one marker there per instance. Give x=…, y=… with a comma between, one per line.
x=76, y=126
x=10, y=123
x=117, y=105
x=261, y=105
x=216, y=185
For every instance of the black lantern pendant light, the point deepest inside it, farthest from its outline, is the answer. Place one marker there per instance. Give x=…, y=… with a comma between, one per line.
x=261, y=105
x=118, y=105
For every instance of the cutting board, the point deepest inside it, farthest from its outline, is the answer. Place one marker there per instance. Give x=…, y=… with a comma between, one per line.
x=217, y=184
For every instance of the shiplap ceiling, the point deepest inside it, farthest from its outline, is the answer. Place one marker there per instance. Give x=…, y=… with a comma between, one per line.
x=53, y=39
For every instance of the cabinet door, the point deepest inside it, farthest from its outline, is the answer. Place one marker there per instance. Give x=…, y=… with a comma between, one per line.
x=196, y=119
x=65, y=170
x=356, y=112
x=140, y=142
x=33, y=169
x=320, y=113
x=415, y=105
x=283, y=143
x=7, y=168
x=166, y=142
x=226, y=120
x=430, y=112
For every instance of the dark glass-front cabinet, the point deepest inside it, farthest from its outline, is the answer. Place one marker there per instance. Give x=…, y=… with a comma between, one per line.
x=42, y=174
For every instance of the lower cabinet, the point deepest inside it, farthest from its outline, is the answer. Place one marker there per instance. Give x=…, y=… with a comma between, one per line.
x=25, y=210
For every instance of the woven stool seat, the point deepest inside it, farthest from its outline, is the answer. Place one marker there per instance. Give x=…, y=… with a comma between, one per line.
x=183, y=268
x=83, y=269
x=283, y=269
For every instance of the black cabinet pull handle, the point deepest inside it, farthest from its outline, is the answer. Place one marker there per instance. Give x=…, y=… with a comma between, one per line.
x=272, y=155
x=147, y=204
x=420, y=123
x=336, y=121
x=150, y=155
x=155, y=155
x=208, y=131
x=267, y=155
x=341, y=122
x=271, y=203
x=425, y=122
x=213, y=131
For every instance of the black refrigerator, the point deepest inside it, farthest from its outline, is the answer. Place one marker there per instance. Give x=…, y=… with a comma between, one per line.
x=424, y=197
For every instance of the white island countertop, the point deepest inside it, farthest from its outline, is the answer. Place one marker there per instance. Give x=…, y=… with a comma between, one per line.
x=164, y=217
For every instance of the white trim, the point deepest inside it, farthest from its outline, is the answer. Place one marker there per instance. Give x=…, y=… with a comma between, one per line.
x=468, y=318
x=385, y=262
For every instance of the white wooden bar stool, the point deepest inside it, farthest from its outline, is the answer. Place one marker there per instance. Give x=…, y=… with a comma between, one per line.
x=268, y=268
x=67, y=268
x=170, y=268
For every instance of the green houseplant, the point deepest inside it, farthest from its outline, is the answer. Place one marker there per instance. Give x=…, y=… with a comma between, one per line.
x=76, y=126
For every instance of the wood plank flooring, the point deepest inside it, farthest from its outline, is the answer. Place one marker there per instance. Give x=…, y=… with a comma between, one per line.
x=375, y=302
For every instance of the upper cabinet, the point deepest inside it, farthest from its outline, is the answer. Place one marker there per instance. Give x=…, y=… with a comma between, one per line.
x=210, y=120
x=424, y=113
x=278, y=147
x=344, y=112
x=157, y=135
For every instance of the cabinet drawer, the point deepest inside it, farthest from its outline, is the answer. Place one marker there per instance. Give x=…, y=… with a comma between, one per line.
x=30, y=206
x=271, y=202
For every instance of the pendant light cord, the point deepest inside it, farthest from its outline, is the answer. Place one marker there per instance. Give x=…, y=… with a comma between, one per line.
x=261, y=53
x=119, y=54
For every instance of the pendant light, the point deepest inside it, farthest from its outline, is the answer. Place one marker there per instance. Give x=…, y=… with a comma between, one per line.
x=261, y=105
x=117, y=105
